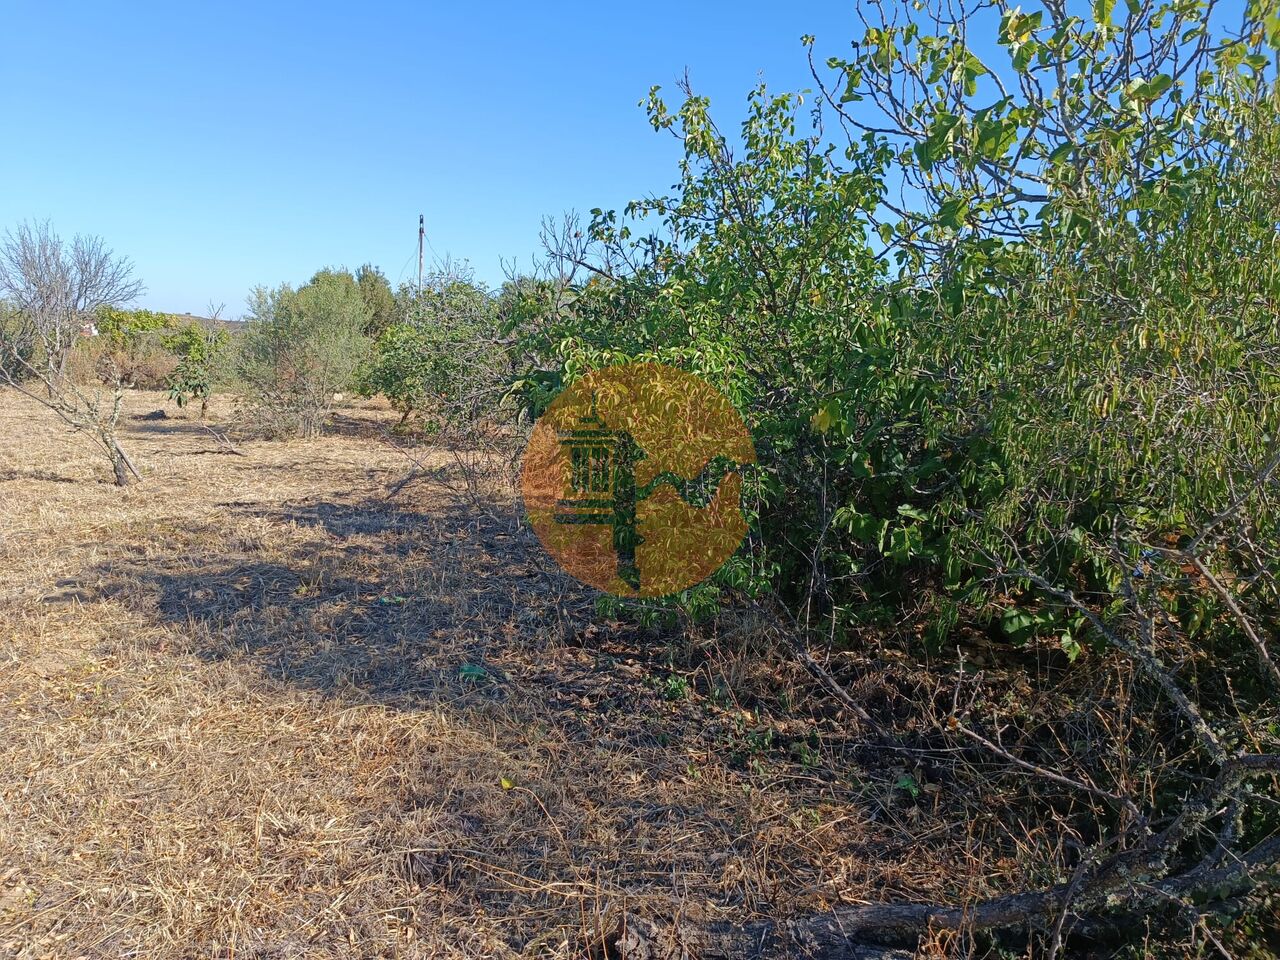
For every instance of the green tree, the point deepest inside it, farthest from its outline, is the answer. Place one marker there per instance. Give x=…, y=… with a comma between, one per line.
x=758, y=276
x=1125, y=101
x=442, y=359
x=202, y=354
x=378, y=297
x=1058, y=420
x=300, y=348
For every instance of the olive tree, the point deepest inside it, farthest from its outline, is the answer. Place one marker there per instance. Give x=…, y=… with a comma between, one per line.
x=300, y=348
x=378, y=297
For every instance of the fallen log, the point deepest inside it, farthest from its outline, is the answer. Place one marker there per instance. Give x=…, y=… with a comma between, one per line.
x=810, y=937
x=845, y=933
x=860, y=932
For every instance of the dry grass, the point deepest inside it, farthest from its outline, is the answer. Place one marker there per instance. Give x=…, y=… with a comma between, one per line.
x=253, y=708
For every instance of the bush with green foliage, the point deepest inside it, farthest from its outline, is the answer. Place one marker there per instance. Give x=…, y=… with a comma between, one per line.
x=299, y=348
x=1058, y=418
x=129, y=347
x=19, y=359
x=378, y=297
x=439, y=360
x=202, y=355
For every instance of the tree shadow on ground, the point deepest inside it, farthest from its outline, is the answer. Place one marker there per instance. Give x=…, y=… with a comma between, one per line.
x=357, y=426
x=411, y=606
x=419, y=604
x=452, y=609
x=166, y=426
x=372, y=599
x=45, y=476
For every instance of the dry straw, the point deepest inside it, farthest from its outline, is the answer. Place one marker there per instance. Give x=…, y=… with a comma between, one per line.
x=257, y=707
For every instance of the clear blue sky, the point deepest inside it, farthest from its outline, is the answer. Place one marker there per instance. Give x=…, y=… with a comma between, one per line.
x=221, y=146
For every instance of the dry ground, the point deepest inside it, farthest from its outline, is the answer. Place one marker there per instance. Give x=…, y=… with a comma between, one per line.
x=255, y=707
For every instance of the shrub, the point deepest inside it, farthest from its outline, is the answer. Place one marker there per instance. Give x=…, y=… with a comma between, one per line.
x=130, y=346
x=202, y=355
x=1057, y=422
x=440, y=360
x=378, y=297
x=19, y=359
x=299, y=348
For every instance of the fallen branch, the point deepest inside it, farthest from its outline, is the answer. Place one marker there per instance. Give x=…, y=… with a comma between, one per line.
x=1129, y=882
x=867, y=931
x=1050, y=775
x=223, y=441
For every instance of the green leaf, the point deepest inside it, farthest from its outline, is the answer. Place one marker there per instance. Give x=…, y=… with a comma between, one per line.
x=943, y=124
x=908, y=783
x=862, y=527
x=915, y=513
x=952, y=212
x=1019, y=27
x=995, y=137
x=904, y=543
x=933, y=147
x=1022, y=58
x=973, y=69
x=1017, y=624
x=1151, y=89
x=1061, y=153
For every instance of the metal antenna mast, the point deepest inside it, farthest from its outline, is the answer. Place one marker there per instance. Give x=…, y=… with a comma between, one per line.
x=422, y=235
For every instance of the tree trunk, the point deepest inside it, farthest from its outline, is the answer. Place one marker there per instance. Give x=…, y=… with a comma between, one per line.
x=125, y=472
x=60, y=373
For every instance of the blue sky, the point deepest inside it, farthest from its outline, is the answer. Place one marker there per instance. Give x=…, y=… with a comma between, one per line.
x=224, y=146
